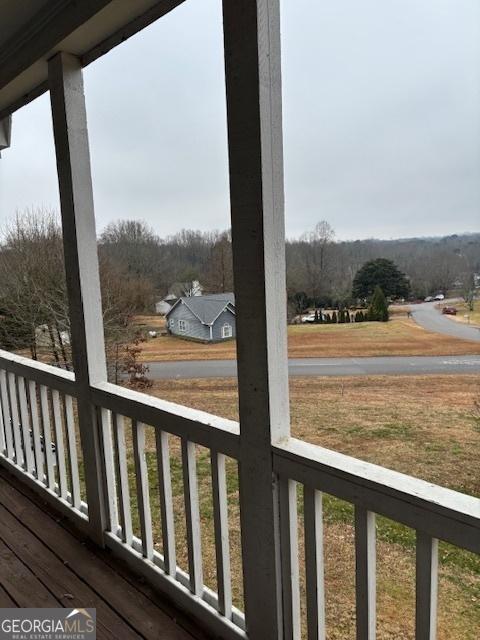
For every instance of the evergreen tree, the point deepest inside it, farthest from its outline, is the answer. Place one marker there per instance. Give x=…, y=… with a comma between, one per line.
x=383, y=273
x=378, y=309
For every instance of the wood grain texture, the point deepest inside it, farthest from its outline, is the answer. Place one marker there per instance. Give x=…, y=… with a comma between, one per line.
x=42, y=563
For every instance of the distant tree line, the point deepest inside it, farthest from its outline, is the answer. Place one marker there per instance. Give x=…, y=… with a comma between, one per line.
x=137, y=267
x=320, y=270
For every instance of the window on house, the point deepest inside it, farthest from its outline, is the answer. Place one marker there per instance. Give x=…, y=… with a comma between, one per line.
x=182, y=325
x=227, y=330
x=171, y=323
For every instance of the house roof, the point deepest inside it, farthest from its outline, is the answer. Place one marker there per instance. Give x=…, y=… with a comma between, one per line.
x=207, y=308
x=230, y=297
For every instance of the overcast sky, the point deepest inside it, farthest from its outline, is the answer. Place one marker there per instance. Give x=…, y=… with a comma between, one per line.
x=381, y=120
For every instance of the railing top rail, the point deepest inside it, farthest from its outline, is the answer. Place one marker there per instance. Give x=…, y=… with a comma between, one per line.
x=443, y=513
x=38, y=371
x=200, y=427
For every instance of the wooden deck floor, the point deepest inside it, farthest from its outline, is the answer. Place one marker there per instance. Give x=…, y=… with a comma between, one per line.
x=44, y=563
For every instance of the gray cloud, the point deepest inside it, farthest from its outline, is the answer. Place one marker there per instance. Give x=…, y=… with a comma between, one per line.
x=381, y=113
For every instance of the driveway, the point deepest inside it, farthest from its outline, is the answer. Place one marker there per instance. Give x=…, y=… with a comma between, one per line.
x=396, y=365
x=432, y=319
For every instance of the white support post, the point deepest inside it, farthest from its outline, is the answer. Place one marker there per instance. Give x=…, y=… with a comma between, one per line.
x=253, y=85
x=121, y=473
x=166, y=502
x=81, y=265
x=314, y=563
x=290, y=566
x=222, y=546
x=365, y=573
x=426, y=587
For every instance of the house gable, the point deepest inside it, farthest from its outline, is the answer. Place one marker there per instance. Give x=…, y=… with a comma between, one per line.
x=227, y=317
x=183, y=322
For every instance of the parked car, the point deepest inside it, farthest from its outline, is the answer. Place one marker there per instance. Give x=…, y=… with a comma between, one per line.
x=449, y=311
x=308, y=318
x=439, y=296
x=429, y=299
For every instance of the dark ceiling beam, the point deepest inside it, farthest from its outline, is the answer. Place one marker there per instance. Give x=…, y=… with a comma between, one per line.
x=157, y=11
x=52, y=27
x=49, y=26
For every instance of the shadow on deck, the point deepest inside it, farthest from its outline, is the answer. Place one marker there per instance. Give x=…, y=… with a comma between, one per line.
x=44, y=562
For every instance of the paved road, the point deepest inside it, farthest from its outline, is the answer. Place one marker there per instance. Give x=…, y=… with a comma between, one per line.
x=431, y=319
x=324, y=367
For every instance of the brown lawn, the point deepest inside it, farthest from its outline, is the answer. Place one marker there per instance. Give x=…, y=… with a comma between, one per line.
x=422, y=425
x=155, y=322
x=400, y=336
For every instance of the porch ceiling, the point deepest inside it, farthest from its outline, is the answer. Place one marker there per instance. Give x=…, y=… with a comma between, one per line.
x=33, y=30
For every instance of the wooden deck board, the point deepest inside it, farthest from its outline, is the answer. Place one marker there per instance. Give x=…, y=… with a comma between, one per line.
x=6, y=601
x=43, y=563
x=20, y=583
x=67, y=588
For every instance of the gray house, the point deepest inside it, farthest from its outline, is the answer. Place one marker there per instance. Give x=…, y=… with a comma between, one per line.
x=209, y=318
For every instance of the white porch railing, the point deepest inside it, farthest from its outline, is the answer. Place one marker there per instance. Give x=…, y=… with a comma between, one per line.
x=38, y=442
x=147, y=418
x=432, y=511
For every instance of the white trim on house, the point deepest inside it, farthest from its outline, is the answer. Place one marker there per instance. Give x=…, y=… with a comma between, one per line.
x=227, y=330
x=229, y=307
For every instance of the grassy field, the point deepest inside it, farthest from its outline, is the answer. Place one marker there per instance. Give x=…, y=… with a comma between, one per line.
x=421, y=425
x=400, y=336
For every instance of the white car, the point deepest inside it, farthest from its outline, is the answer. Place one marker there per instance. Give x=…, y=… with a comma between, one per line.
x=429, y=299
x=308, y=318
x=439, y=296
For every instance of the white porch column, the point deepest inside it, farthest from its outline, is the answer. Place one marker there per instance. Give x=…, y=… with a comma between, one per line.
x=253, y=83
x=81, y=266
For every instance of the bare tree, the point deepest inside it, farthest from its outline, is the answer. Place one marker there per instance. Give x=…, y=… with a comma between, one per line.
x=219, y=271
x=135, y=248
x=317, y=258
x=33, y=297
x=32, y=286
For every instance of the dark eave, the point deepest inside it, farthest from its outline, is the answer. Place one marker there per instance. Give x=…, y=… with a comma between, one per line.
x=86, y=28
